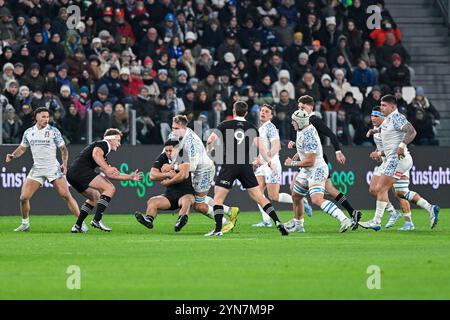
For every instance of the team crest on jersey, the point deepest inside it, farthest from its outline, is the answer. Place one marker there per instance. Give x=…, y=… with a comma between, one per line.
x=48, y=134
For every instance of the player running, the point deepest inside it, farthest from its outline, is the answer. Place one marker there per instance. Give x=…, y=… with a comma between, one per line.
x=379, y=156
x=396, y=134
x=236, y=137
x=192, y=158
x=95, y=186
x=43, y=140
x=307, y=103
x=270, y=177
x=314, y=171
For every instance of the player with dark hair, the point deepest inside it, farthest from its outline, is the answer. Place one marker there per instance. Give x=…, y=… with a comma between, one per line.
x=307, y=103
x=43, y=140
x=396, y=133
x=177, y=196
x=95, y=186
x=238, y=139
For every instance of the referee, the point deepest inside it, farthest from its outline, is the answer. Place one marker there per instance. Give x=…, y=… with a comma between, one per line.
x=236, y=139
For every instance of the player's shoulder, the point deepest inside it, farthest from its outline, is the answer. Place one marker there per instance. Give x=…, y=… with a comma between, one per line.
x=28, y=131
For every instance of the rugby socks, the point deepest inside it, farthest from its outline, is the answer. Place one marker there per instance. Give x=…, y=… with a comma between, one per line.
x=210, y=214
x=285, y=198
x=390, y=208
x=218, y=215
x=425, y=205
x=102, y=204
x=84, y=212
x=331, y=209
x=26, y=221
x=265, y=216
x=407, y=217
x=379, y=211
x=341, y=199
x=299, y=222
x=210, y=202
x=270, y=211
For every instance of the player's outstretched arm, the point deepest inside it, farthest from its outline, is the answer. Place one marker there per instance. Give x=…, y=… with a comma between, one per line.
x=180, y=176
x=20, y=150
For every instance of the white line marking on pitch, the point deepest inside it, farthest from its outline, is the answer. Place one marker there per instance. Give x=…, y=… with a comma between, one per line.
x=220, y=239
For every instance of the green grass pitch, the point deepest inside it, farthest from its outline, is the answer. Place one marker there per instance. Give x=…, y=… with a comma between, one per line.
x=133, y=262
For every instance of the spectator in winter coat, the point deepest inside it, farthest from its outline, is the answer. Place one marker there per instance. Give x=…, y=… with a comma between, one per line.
x=325, y=87
x=371, y=101
x=424, y=128
x=308, y=86
x=72, y=125
x=421, y=102
x=340, y=84
x=11, y=126
x=385, y=53
x=100, y=121
x=362, y=76
x=292, y=52
x=300, y=67
x=283, y=84
x=397, y=75
x=33, y=79
x=380, y=35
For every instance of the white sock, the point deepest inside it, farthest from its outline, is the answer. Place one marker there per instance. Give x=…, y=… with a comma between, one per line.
x=26, y=221
x=390, y=208
x=425, y=205
x=210, y=213
x=331, y=209
x=299, y=222
x=285, y=198
x=379, y=212
x=407, y=217
x=265, y=216
x=210, y=202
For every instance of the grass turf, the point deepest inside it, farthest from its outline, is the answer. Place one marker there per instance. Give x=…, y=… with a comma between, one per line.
x=133, y=262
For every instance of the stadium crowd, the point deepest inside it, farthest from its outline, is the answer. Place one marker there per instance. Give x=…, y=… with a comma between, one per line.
x=196, y=57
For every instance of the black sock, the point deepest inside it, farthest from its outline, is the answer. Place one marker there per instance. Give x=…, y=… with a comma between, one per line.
x=218, y=215
x=150, y=218
x=270, y=210
x=84, y=212
x=102, y=204
x=342, y=201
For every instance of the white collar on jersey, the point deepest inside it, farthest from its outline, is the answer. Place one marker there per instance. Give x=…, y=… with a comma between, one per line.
x=109, y=146
x=36, y=127
x=239, y=118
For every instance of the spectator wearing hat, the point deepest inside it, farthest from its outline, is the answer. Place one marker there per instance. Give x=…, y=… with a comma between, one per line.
x=96, y=47
x=9, y=32
x=7, y=74
x=325, y=87
x=204, y=64
x=72, y=42
x=56, y=51
x=7, y=55
x=33, y=79
x=65, y=98
x=190, y=43
x=230, y=45
x=163, y=80
x=106, y=22
x=362, y=76
x=135, y=81
x=293, y=51
x=402, y=105
x=371, y=101
x=340, y=84
x=100, y=120
x=62, y=76
x=423, y=124
x=300, y=66
x=148, y=64
x=283, y=83
x=388, y=49
x=112, y=82
x=331, y=35
x=123, y=28
x=397, y=75
x=11, y=91
x=170, y=28
x=320, y=68
x=213, y=36
x=318, y=51
x=182, y=82
x=151, y=85
x=422, y=102
x=82, y=102
x=11, y=126
x=379, y=35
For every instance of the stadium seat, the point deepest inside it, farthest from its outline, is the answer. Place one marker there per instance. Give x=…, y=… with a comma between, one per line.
x=357, y=95
x=408, y=94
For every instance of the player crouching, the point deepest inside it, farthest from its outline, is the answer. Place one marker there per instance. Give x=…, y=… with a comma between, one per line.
x=95, y=186
x=314, y=171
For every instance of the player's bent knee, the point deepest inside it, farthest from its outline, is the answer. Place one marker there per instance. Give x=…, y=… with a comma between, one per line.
x=299, y=190
x=401, y=189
